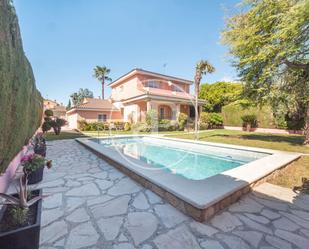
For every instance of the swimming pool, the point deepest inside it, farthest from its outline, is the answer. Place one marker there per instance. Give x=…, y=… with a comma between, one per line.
x=198, y=178
x=191, y=162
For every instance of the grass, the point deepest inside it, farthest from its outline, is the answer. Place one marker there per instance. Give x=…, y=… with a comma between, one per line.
x=263, y=140
x=292, y=175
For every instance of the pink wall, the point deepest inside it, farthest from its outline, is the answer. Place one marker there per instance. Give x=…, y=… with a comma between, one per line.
x=6, y=177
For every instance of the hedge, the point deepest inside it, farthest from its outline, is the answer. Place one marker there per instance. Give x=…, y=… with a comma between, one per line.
x=233, y=112
x=21, y=103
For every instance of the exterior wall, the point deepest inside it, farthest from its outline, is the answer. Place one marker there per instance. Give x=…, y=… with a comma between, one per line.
x=91, y=116
x=133, y=87
x=126, y=90
x=130, y=113
x=72, y=120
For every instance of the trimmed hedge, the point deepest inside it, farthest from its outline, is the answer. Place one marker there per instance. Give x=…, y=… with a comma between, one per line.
x=21, y=103
x=233, y=112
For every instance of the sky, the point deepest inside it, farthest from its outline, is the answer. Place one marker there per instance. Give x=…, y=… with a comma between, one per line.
x=65, y=39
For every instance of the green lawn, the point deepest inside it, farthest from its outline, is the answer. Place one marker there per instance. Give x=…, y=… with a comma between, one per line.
x=253, y=139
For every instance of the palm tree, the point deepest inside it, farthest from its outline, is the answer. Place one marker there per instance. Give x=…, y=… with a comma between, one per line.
x=101, y=73
x=202, y=68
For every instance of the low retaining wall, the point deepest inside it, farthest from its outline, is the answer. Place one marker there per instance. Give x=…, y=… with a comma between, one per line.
x=6, y=177
x=267, y=130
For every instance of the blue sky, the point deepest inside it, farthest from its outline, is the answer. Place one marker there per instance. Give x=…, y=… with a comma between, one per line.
x=65, y=39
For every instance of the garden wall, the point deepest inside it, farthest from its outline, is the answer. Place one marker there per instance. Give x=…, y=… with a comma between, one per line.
x=20, y=102
x=233, y=112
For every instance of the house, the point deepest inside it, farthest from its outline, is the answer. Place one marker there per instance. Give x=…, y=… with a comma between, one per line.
x=93, y=110
x=59, y=110
x=139, y=91
x=133, y=95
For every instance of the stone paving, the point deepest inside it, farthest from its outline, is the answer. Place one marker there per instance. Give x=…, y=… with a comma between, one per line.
x=92, y=205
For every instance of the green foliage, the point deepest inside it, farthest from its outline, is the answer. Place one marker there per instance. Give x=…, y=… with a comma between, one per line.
x=78, y=97
x=56, y=124
x=220, y=94
x=69, y=105
x=46, y=126
x=269, y=43
x=140, y=127
x=182, y=121
x=33, y=163
x=20, y=102
x=210, y=120
x=49, y=113
x=19, y=215
x=152, y=117
x=249, y=119
x=233, y=112
x=127, y=126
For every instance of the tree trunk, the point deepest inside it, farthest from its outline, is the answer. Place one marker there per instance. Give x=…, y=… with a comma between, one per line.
x=196, y=111
x=306, y=128
x=103, y=89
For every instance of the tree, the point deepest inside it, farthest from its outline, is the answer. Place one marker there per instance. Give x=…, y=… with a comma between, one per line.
x=78, y=97
x=101, y=73
x=69, y=105
x=202, y=68
x=269, y=42
x=220, y=94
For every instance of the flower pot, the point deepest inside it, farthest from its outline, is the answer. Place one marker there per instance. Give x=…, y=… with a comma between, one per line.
x=40, y=151
x=27, y=237
x=36, y=176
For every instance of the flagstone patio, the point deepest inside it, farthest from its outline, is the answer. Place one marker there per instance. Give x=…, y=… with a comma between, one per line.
x=92, y=205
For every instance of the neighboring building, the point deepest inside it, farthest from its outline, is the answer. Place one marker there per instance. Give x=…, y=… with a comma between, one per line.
x=93, y=110
x=136, y=93
x=58, y=109
x=139, y=91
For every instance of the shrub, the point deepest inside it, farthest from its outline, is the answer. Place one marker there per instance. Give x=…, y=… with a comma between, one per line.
x=46, y=126
x=152, y=118
x=127, y=126
x=141, y=127
x=49, y=113
x=82, y=124
x=21, y=103
x=182, y=121
x=210, y=120
x=249, y=121
x=57, y=124
x=232, y=114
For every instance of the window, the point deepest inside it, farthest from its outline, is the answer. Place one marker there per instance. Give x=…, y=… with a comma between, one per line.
x=152, y=84
x=102, y=118
x=176, y=88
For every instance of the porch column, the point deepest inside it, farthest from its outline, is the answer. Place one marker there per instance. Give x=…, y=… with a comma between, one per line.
x=138, y=113
x=148, y=106
x=177, y=111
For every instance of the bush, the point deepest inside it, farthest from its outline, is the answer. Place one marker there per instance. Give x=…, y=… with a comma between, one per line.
x=152, y=118
x=21, y=103
x=127, y=126
x=210, y=120
x=182, y=121
x=141, y=127
x=82, y=124
x=49, y=113
x=232, y=114
x=249, y=121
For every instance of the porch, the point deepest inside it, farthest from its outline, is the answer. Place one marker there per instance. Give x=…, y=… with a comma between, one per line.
x=165, y=109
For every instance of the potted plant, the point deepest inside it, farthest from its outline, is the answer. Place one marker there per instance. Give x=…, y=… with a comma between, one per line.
x=33, y=167
x=20, y=217
x=249, y=122
x=39, y=144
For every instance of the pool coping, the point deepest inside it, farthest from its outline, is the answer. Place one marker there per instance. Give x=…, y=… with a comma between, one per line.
x=223, y=186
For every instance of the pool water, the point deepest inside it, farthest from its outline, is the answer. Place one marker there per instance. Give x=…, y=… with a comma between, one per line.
x=190, y=160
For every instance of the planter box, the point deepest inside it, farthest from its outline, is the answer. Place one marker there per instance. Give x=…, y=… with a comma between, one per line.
x=36, y=176
x=27, y=237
